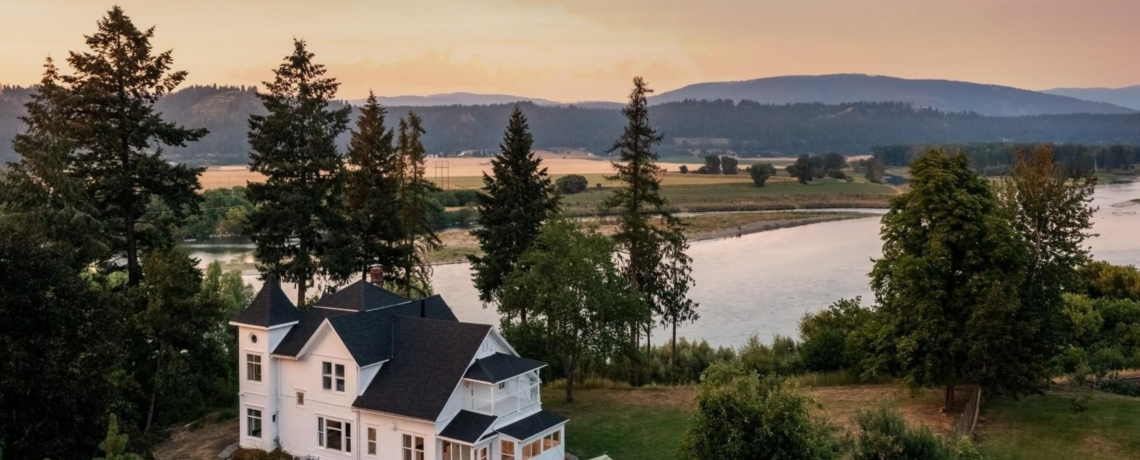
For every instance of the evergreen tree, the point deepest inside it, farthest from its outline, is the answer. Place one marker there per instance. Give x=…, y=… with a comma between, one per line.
x=652, y=255
x=414, y=277
x=119, y=137
x=41, y=192
x=947, y=286
x=515, y=202
x=294, y=146
x=374, y=234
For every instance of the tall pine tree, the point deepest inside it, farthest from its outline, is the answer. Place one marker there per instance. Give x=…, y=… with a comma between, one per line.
x=294, y=146
x=653, y=255
x=414, y=276
x=515, y=202
x=374, y=234
x=119, y=136
x=41, y=192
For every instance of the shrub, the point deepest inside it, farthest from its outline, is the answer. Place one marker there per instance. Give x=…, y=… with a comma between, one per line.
x=1121, y=387
x=571, y=184
x=833, y=339
x=884, y=435
x=684, y=169
x=781, y=358
x=742, y=416
x=242, y=453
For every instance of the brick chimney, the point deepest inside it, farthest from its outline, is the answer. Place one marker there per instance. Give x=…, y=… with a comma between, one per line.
x=376, y=275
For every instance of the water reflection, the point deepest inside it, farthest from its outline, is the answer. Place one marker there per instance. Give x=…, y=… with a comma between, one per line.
x=764, y=283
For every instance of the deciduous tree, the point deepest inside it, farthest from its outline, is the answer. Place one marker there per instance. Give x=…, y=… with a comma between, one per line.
x=576, y=295
x=947, y=286
x=761, y=172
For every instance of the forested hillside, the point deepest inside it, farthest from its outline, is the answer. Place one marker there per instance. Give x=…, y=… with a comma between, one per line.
x=746, y=128
x=946, y=95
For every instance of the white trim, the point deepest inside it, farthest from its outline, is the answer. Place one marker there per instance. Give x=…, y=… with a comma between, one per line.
x=245, y=418
x=389, y=414
x=263, y=328
x=543, y=366
x=532, y=438
x=316, y=332
x=337, y=309
x=505, y=342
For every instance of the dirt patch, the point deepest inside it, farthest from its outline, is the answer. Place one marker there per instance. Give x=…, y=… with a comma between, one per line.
x=841, y=404
x=202, y=443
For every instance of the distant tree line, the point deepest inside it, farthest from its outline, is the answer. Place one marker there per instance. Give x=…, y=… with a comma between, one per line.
x=744, y=129
x=996, y=159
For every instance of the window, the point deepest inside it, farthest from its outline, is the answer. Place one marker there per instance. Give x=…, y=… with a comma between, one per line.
x=253, y=423
x=253, y=367
x=300, y=398
x=413, y=447
x=502, y=386
x=552, y=440
x=330, y=374
x=452, y=451
x=371, y=441
x=481, y=453
x=508, y=448
x=253, y=338
x=532, y=450
x=334, y=435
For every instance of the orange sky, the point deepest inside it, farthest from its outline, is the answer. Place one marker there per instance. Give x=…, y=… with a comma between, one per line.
x=574, y=50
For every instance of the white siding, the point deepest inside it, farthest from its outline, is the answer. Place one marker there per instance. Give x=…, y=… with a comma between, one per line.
x=299, y=423
x=389, y=433
x=258, y=395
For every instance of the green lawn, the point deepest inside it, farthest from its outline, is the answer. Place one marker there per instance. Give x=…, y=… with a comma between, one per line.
x=642, y=424
x=1047, y=427
x=648, y=423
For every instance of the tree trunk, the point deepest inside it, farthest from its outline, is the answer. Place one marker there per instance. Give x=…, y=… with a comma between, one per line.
x=153, y=392
x=634, y=368
x=301, y=286
x=134, y=272
x=948, y=403
x=673, y=355
x=570, y=379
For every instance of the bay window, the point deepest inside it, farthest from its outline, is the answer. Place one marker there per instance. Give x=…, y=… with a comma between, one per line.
x=508, y=450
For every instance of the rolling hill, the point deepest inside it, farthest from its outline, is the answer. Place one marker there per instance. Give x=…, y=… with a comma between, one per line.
x=1124, y=97
x=944, y=95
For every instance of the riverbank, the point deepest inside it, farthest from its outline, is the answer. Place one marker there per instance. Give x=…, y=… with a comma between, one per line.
x=459, y=243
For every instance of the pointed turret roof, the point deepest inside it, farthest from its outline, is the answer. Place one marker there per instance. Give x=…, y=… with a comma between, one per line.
x=271, y=307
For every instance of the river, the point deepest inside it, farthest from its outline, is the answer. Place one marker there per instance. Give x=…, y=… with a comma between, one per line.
x=763, y=283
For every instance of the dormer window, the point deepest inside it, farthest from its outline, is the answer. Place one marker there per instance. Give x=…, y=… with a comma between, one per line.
x=332, y=376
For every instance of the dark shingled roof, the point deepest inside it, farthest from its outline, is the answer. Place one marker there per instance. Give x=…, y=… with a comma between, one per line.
x=368, y=334
x=299, y=335
x=430, y=358
x=468, y=426
x=501, y=366
x=360, y=296
x=532, y=425
x=270, y=307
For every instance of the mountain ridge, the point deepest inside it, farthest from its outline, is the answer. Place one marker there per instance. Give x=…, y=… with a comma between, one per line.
x=944, y=95
x=1128, y=96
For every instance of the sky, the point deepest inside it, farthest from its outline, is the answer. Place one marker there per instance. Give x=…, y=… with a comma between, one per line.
x=581, y=50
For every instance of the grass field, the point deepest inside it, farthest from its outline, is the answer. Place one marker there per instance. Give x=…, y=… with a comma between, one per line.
x=613, y=421
x=1047, y=427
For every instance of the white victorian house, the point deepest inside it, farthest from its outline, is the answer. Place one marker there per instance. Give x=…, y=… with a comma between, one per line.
x=367, y=374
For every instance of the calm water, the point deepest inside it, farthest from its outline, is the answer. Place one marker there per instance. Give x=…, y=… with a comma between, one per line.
x=764, y=283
